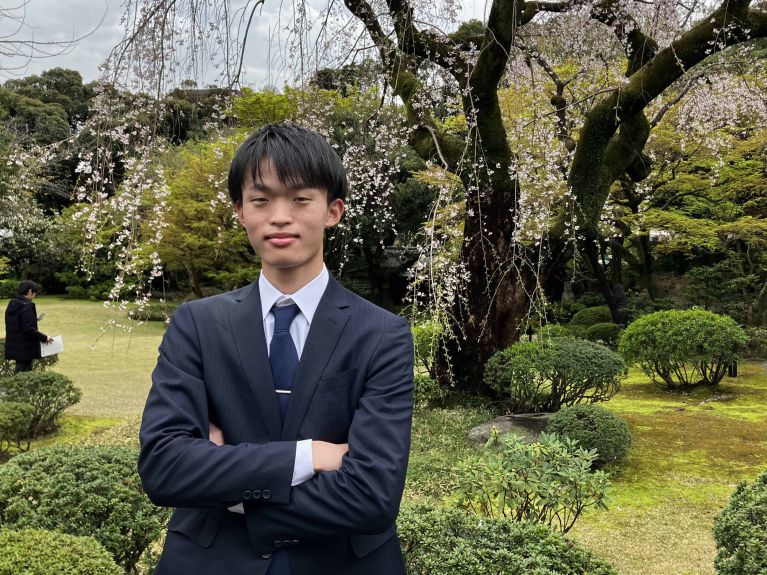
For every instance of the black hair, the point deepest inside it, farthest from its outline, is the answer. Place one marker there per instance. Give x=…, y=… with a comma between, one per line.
x=300, y=157
x=27, y=285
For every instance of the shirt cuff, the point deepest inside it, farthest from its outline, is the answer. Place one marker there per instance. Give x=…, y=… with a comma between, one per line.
x=303, y=469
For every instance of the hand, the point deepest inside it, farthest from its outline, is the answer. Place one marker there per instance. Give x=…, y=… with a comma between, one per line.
x=327, y=456
x=49, y=340
x=215, y=434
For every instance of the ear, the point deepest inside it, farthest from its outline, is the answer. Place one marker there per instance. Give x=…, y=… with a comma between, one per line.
x=238, y=209
x=335, y=211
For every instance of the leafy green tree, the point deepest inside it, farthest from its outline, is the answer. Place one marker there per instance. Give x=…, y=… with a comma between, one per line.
x=203, y=239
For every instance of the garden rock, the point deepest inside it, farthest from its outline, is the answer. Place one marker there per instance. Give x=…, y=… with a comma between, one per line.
x=527, y=425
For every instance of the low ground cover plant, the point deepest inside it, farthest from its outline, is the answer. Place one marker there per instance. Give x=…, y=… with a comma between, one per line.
x=550, y=481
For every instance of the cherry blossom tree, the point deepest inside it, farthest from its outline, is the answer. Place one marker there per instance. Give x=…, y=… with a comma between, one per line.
x=596, y=74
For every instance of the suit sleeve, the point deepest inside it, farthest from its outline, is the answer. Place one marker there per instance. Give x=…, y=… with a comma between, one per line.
x=29, y=324
x=363, y=496
x=178, y=465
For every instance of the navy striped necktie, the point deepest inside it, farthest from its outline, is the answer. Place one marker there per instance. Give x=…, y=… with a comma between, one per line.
x=283, y=356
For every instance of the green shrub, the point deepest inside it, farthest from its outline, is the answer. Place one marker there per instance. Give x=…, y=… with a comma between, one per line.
x=593, y=427
x=591, y=316
x=740, y=531
x=548, y=374
x=76, y=292
x=15, y=421
x=426, y=339
x=83, y=491
x=563, y=312
x=757, y=342
x=8, y=288
x=551, y=330
x=441, y=541
x=8, y=366
x=550, y=481
x=427, y=391
x=38, y=552
x=680, y=349
x=49, y=393
x=100, y=291
x=607, y=333
x=640, y=304
x=153, y=312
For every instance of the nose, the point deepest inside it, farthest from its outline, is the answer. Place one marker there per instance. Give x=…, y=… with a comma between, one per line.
x=281, y=213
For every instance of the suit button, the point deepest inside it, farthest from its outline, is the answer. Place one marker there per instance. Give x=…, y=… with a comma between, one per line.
x=278, y=544
x=266, y=556
x=256, y=494
x=295, y=542
x=246, y=494
x=266, y=494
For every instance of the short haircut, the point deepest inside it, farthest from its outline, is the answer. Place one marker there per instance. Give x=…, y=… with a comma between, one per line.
x=300, y=157
x=27, y=285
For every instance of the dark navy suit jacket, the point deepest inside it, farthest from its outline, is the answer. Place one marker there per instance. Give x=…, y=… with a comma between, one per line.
x=354, y=384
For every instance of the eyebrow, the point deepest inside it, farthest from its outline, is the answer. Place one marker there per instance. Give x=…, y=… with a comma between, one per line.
x=259, y=186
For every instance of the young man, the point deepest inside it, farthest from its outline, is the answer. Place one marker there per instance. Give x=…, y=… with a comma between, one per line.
x=22, y=338
x=278, y=423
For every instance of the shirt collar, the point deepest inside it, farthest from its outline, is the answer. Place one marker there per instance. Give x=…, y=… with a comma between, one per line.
x=307, y=298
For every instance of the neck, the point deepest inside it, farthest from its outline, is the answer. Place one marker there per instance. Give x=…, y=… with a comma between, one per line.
x=290, y=280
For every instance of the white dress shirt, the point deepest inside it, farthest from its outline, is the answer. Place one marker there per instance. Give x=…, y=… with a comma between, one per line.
x=307, y=299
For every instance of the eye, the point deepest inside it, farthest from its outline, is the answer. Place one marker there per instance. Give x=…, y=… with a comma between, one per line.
x=303, y=200
x=258, y=200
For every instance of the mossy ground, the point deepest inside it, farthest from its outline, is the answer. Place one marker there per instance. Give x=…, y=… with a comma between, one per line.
x=687, y=456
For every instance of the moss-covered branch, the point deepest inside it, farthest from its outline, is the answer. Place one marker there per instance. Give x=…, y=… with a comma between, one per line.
x=428, y=140
x=616, y=129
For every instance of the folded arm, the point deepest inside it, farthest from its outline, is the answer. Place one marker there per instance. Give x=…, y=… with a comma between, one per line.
x=363, y=496
x=178, y=465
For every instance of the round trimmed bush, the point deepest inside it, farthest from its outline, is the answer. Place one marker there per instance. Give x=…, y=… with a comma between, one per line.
x=49, y=393
x=607, y=333
x=38, y=552
x=442, y=541
x=740, y=531
x=548, y=374
x=91, y=491
x=593, y=427
x=15, y=420
x=683, y=348
x=8, y=366
x=592, y=316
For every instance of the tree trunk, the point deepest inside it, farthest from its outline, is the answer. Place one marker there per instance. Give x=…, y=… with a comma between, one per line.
x=191, y=273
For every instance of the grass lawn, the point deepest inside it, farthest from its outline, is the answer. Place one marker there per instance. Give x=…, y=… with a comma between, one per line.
x=109, y=364
x=685, y=461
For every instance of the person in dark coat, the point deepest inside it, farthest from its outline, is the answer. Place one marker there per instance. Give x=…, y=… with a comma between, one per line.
x=22, y=338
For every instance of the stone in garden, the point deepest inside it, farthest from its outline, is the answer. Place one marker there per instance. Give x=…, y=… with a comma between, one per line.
x=526, y=425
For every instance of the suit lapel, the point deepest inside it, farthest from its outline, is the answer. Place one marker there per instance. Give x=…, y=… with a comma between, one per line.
x=328, y=323
x=248, y=330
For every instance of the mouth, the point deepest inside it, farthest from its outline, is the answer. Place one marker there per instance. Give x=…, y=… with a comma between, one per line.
x=281, y=239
